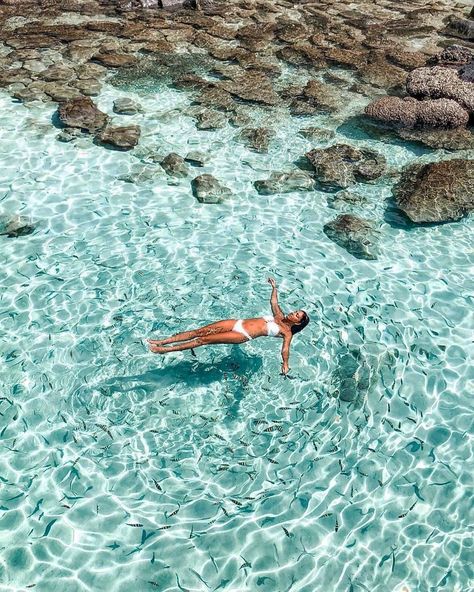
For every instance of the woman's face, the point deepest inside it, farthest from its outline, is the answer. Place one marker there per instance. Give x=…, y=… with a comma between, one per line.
x=295, y=317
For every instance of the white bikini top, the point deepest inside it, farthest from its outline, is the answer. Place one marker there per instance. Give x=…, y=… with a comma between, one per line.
x=273, y=330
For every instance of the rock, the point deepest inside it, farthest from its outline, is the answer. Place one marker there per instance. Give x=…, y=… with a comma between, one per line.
x=82, y=113
x=210, y=120
x=207, y=189
x=69, y=134
x=257, y=139
x=410, y=113
x=16, y=226
x=90, y=88
x=436, y=192
x=317, y=133
x=126, y=106
x=342, y=165
x=174, y=165
x=451, y=139
x=114, y=60
x=343, y=200
x=462, y=28
x=196, y=158
x=285, y=182
x=466, y=73
x=438, y=82
x=358, y=236
x=315, y=97
x=141, y=174
x=353, y=376
x=453, y=55
x=252, y=86
x=119, y=137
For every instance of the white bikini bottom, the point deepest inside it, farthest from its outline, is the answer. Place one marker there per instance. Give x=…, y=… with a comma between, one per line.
x=240, y=329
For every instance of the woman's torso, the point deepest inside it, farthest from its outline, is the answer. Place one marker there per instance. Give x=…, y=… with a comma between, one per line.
x=262, y=326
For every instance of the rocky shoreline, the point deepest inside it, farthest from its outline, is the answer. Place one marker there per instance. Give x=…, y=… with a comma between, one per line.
x=412, y=64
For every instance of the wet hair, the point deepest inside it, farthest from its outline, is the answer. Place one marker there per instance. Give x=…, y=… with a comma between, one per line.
x=304, y=321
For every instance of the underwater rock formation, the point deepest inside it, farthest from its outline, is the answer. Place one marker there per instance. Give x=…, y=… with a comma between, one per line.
x=411, y=113
x=358, y=236
x=207, y=189
x=119, y=137
x=82, y=113
x=285, y=182
x=341, y=165
x=436, y=192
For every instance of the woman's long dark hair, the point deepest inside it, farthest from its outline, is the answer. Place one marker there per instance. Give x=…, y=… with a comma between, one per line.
x=297, y=328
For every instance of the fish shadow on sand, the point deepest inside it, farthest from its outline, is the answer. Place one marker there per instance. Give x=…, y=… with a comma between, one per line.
x=235, y=370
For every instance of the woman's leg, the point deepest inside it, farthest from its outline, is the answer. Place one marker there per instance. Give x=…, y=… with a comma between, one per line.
x=221, y=338
x=213, y=328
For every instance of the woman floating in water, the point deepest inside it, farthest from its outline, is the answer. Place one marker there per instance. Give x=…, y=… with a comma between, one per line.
x=240, y=331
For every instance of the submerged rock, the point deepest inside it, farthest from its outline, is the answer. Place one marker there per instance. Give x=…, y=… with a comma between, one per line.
x=438, y=82
x=196, y=158
x=210, y=120
x=126, y=106
x=82, y=113
x=436, y=192
x=252, y=86
x=342, y=165
x=317, y=133
x=353, y=377
x=358, y=236
x=174, y=165
x=16, y=226
x=346, y=199
x=448, y=139
x=69, y=134
x=120, y=138
x=285, y=182
x=257, y=139
x=207, y=189
x=411, y=113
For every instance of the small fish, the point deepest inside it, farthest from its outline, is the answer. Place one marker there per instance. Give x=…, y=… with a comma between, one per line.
x=236, y=502
x=336, y=525
x=157, y=485
x=105, y=428
x=30, y=586
x=287, y=532
x=134, y=524
x=244, y=443
x=259, y=421
x=273, y=428
x=225, y=511
x=274, y=462
x=65, y=506
x=326, y=515
x=165, y=527
x=154, y=583
x=173, y=513
x=220, y=437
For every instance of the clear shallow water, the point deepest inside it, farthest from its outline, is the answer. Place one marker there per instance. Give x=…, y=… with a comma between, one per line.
x=121, y=470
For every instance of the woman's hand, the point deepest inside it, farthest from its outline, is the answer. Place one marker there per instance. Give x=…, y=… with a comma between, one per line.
x=272, y=283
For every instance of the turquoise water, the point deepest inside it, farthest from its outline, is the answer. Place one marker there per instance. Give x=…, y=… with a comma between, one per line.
x=122, y=470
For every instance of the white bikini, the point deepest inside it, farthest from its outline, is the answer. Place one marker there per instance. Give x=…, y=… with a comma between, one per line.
x=273, y=330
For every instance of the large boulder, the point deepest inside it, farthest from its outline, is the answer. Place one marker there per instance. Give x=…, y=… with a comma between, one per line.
x=411, y=113
x=441, y=83
x=285, y=182
x=341, y=165
x=120, y=138
x=81, y=112
x=358, y=236
x=207, y=189
x=436, y=192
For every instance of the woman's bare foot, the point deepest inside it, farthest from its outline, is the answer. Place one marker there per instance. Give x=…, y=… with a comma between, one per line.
x=155, y=341
x=156, y=349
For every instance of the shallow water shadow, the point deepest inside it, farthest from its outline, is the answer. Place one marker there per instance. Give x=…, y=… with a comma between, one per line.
x=236, y=367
